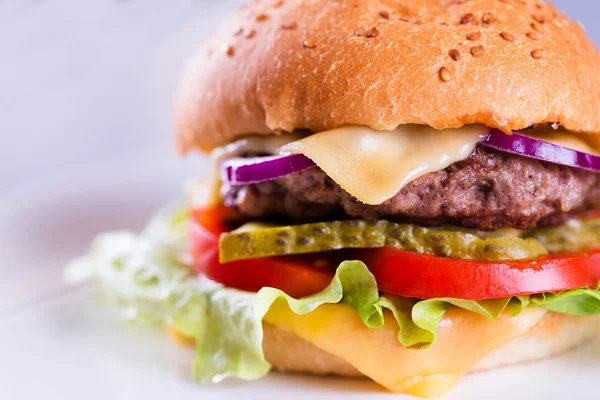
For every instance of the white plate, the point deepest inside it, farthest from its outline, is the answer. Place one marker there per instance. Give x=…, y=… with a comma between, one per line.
x=61, y=343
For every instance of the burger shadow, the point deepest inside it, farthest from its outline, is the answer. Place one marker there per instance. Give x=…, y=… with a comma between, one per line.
x=587, y=354
x=304, y=384
x=330, y=383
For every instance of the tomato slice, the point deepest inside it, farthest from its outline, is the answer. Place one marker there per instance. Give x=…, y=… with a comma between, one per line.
x=421, y=276
x=215, y=220
x=591, y=214
x=402, y=273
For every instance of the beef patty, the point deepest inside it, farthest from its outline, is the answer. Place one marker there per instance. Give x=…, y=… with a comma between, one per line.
x=488, y=190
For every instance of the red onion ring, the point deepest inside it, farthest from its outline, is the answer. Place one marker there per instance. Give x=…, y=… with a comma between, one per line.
x=541, y=150
x=241, y=171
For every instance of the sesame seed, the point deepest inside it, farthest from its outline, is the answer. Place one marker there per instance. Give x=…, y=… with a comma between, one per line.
x=474, y=36
x=532, y=36
x=372, y=32
x=230, y=51
x=538, y=18
x=309, y=44
x=444, y=74
x=384, y=14
x=507, y=36
x=454, y=54
x=477, y=51
x=289, y=26
x=467, y=18
x=536, y=27
x=238, y=31
x=537, y=54
x=260, y=17
x=250, y=34
x=359, y=32
x=488, y=18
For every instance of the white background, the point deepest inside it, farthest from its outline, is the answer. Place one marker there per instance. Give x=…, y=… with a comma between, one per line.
x=87, y=80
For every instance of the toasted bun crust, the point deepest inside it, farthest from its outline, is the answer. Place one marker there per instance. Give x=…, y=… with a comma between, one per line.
x=278, y=66
x=554, y=334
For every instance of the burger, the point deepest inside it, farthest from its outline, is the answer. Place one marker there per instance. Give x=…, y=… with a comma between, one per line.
x=403, y=191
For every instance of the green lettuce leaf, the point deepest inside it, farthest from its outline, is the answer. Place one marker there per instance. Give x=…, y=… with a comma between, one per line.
x=582, y=302
x=147, y=278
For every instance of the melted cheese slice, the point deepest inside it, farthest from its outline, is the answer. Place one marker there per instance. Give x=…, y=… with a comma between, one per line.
x=374, y=165
x=463, y=338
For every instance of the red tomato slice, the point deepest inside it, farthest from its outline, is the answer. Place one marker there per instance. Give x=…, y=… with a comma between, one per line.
x=215, y=220
x=421, y=276
x=591, y=214
x=397, y=272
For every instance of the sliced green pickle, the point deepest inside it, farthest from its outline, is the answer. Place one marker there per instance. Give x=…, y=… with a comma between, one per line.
x=574, y=235
x=266, y=241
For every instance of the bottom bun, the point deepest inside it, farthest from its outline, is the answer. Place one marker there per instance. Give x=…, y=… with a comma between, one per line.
x=554, y=334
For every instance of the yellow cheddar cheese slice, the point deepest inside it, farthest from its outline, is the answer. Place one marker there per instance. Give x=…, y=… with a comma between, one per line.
x=463, y=338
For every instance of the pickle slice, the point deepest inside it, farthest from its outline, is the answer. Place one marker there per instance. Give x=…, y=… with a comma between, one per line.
x=267, y=241
x=574, y=235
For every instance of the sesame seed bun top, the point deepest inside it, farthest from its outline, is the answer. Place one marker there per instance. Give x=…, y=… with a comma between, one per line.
x=276, y=66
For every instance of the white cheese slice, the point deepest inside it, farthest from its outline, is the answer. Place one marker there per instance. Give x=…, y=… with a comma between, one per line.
x=375, y=165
